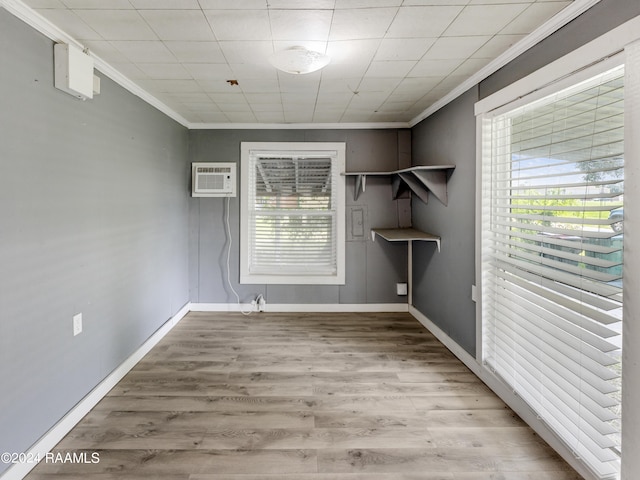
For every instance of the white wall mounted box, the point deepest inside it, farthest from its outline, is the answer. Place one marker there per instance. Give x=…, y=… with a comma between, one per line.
x=73, y=71
x=211, y=179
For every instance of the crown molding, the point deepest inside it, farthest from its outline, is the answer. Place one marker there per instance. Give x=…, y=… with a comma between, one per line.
x=298, y=126
x=577, y=8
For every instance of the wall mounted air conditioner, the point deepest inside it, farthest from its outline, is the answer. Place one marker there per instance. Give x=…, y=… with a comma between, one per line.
x=73, y=71
x=213, y=179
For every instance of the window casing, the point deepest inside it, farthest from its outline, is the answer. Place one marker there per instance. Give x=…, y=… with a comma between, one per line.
x=551, y=260
x=292, y=213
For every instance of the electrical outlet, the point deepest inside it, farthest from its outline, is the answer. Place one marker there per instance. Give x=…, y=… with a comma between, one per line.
x=77, y=324
x=401, y=288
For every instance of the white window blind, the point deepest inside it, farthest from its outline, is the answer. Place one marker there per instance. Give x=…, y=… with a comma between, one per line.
x=553, y=182
x=294, y=214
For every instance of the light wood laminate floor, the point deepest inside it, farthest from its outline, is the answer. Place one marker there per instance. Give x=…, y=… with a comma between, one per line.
x=306, y=397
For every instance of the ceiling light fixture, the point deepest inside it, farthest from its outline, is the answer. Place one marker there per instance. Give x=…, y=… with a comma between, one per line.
x=299, y=60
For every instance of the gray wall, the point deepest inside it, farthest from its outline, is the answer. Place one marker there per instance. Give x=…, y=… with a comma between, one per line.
x=442, y=280
x=93, y=219
x=372, y=268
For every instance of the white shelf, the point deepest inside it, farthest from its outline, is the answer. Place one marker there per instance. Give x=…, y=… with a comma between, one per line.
x=404, y=235
x=420, y=180
x=408, y=235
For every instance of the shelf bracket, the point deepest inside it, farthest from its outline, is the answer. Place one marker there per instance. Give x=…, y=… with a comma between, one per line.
x=361, y=184
x=435, y=181
x=415, y=186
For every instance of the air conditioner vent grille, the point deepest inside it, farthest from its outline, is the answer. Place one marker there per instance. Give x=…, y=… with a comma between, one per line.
x=213, y=180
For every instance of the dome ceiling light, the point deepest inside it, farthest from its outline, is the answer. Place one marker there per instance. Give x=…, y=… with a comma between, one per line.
x=299, y=60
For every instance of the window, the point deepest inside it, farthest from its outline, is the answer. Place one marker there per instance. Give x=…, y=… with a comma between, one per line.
x=551, y=260
x=293, y=213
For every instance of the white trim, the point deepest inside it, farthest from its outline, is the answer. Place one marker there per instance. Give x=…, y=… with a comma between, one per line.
x=299, y=126
x=303, y=307
x=249, y=153
x=577, y=8
x=631, y=304
x=71, y=419
x=505, y=394
x=607, y=45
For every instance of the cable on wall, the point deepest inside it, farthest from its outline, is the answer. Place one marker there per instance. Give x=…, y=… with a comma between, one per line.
x=228, y=227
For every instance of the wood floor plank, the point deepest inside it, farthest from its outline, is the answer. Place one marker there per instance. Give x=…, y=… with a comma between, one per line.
x=291, y=396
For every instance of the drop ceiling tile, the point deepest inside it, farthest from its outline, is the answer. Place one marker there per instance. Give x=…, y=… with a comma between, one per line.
x=456, y=47
x=266, y=107
x=260, y=85
x=367, y=100
x=200, y=107
x=493, y=2
x=267, y=98
x=174, y=86
x=333, y=100
x=342, y=4
x=269, y=117
x=241, y=117
x=431, y=68
x=403, y=48
x=165, y=4
x=327, y=116
x=497, y=45
x=300, y=24
x=190, y=97
x=355, y=24
x=442, y=2
x=105, y=51
x=250, y=52
x=179, y=24
x=99, y=4
x=350, y=52
x=217, y=86
x=298, y=116
x=532, y=17
x=471, y=66
x=379, y=85
x=235, y=5
x=419, y=22
x=209, y=71
x=484, y=19
x=339, y=85
x=165, y=71
x=341, y=71
x=235, y=96
x=213, y=117
x=387, y=69
x=70, y=23
x=417, y=86
x=245, y=71
x=234, y=107
x=145, y=51
x=301, y=4
x=117, y=24
x=239, y=24
x=196, y=52
x=130, y=70
x=299, y=83
x=292, y=98
x=36, y=4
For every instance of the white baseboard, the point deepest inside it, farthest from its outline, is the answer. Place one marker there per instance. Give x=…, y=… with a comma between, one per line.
x=506, y=394
x=50, y=439
x=302, y=307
